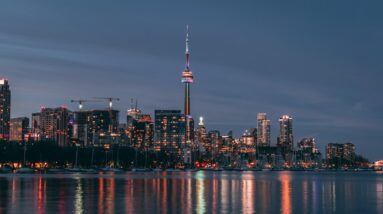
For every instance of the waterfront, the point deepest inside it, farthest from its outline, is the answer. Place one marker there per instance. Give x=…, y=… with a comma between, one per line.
x=193, y=192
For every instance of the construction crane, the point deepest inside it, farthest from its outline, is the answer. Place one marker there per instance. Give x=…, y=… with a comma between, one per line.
x=110, y=99
x=80, y=102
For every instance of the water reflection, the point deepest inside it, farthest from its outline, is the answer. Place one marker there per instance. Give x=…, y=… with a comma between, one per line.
x=41, y=187
x=78, y=203
x=379, y=196
x=101, y=195
x=248, y=196
x=285, y=179
x=201, y=193
x=187, y=192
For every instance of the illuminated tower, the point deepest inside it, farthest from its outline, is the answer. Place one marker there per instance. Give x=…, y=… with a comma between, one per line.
x=187, y=75
x=187, y=79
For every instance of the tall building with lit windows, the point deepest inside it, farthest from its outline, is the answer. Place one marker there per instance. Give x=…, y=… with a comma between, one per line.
x=36, y=126
x=263, y=130
x=201, y=132
x=142, y=132
x=340, y=151
x=54, y=124
x=169, y=129
x=5, y=109
x=285, y=138
x=93, y=124
x=18, y=128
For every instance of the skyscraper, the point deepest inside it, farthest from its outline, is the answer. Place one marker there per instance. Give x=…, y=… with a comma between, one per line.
x=263, y=130
x=100, y=121
x=143, y=132
x=187, y=79
x=18, y=128
x=55, y=125
x=285, y=138
x=132, y=118
x=89, y=125
x=169, y=128
x=81, y=128
x=201, y=132
x=133, y=114
x=36, y=126
x=5, y=109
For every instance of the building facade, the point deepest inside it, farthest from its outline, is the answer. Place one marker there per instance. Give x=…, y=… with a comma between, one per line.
x=170, y=129
x=340, y=152
x=89, y=126
x=18, y=128
x=5, y=109
x=54, y=124
x=248, y=139
x=263, y=130
x=143, y=132
x=307, y=153
x=36, y=126
x=285, y=138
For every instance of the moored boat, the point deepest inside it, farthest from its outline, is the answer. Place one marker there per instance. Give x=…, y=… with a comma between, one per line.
x=24, y=170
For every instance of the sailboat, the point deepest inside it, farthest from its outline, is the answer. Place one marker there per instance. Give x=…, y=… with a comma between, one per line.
x=5, y=169
x=24, y=169
x=75, y=169
x=145, y=169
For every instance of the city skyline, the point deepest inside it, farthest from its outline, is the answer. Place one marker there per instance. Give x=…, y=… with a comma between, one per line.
x=320, y=115
x=180, y=128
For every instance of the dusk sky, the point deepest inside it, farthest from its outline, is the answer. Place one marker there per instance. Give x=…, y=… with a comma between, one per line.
x=318, y=61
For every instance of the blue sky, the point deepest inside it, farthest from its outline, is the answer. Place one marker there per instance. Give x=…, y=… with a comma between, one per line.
x=319, y=62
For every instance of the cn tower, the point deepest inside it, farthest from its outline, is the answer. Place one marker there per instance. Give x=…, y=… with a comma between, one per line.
x=187, y=75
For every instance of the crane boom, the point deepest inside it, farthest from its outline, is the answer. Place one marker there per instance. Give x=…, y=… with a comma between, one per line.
x=110, y=99
x=81, y=101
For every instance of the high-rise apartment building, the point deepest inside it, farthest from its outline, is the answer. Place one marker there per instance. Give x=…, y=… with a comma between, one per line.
x=308, y=153
x=54, y=124
x=142, y=132
x=285, y=138
x=345, y=151
x=169, y=128
x=36, y=126
x=201, y=132
x=248, y=139
x=88, y=125
x=5, y=109
x=81, y=128
x=133, y=114
x=100, y=121
x=18, y=128
x=263, y=130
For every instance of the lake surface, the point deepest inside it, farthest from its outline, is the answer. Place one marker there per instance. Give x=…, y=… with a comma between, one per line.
x=193, y=192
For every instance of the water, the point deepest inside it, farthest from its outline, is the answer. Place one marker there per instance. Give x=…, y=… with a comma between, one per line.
x=193, y=192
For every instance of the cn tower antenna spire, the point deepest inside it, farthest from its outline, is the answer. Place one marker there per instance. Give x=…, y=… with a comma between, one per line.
x=187, y=52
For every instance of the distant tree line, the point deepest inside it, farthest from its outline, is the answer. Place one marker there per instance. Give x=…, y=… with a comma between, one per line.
x=56, y=156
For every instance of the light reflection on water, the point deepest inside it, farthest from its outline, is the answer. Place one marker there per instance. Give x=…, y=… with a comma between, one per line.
x=193, y=192
x=285, y=179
